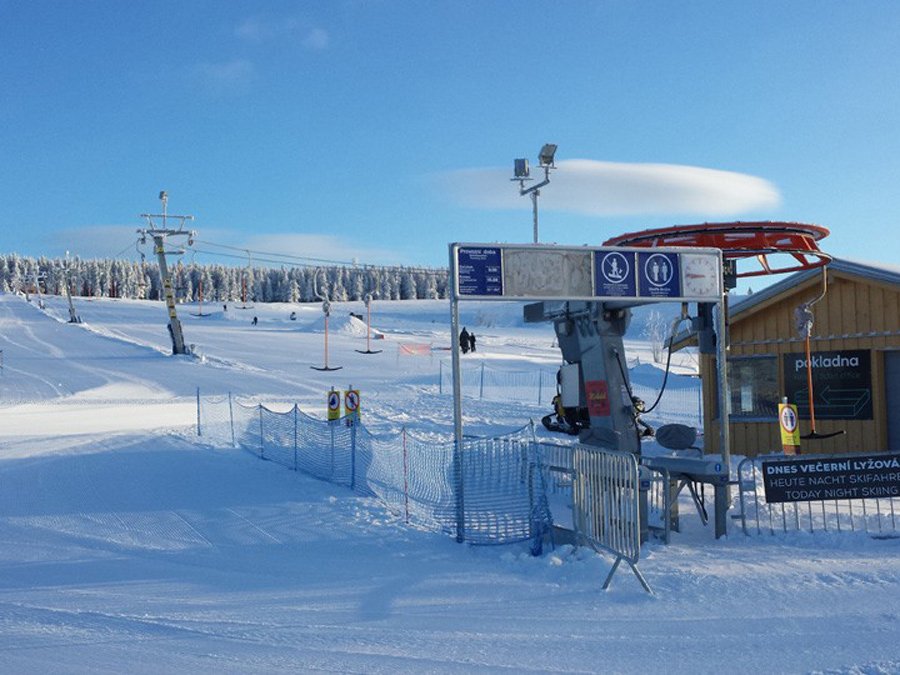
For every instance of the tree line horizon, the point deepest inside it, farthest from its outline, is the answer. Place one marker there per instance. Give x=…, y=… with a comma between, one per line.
x=193, y=282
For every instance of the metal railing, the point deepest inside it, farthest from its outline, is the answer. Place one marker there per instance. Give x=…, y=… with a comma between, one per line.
x=606, y=501
x=877, y=516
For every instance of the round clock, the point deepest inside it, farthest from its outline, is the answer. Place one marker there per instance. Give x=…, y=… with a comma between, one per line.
x=701, y=275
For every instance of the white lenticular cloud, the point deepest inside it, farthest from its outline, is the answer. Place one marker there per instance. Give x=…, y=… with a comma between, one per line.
x=615, y=189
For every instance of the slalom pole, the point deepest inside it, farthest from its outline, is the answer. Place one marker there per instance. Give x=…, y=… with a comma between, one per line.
x=369, y=327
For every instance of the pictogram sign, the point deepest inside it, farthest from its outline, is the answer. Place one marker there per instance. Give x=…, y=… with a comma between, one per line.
x=790, y=428
x=334, y=405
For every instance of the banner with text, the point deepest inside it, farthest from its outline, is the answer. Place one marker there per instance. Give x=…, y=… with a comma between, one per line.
x=863, y=477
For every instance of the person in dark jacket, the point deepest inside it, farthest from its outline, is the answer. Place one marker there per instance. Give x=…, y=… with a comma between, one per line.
x=464, y=340
x=471, y=342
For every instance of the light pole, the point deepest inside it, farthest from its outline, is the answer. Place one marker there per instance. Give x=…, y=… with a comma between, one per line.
x=522, y=173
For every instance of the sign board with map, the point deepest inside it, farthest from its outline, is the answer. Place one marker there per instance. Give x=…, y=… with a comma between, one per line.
x=546, y=272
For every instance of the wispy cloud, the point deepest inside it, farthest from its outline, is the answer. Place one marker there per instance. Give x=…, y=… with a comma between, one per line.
x=260, y=29
x=268, y=250
x=224, y=79
x=316, y=39
x=93, y=241
x=617, y=189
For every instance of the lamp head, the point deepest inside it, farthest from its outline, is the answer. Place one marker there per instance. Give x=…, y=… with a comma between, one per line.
x=547, y=153
x=521, y=168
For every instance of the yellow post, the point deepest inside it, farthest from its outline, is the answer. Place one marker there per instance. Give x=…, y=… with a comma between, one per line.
x=788, y=421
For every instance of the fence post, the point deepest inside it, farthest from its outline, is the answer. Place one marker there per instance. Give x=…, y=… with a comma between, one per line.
x=481, y=386
x=231, y=419
x=405, y=476
x=261, y=445
x=440, y=377
x=295, y=437
x=458, y=488
x=540, y=384
x=332, y=425
x=700, y=406
x=352, y=453
x=199, y=433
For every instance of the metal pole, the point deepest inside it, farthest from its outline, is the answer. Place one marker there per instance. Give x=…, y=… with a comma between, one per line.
x=724, y=393
x=261, y=439
x=174, y=323
x=352, y=454
x=73, y=317
x=231, y=418
x=326, y=341
x=368, y=324
x=405, y=476
x=534, y=196
x=457, y=407
x=722, y=491
x=198, y=412
x=481, y=384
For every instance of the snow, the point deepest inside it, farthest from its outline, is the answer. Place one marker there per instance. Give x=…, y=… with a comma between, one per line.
x=127, y=545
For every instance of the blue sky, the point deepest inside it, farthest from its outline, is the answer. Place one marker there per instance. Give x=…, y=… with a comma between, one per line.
x=383, y=130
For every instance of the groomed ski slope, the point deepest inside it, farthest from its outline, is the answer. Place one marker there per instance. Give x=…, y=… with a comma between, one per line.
x=126, y=546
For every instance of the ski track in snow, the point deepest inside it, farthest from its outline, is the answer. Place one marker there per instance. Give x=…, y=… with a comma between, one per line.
x=125, y=545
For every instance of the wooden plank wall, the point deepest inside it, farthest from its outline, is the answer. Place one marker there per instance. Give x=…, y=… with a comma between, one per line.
x=855, y=313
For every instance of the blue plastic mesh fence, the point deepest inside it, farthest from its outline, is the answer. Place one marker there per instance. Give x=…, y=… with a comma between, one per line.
x=503, y=485
x=682, y=406
x=482, y=381
x=215, y=426
x=323, y=449
x=247, y=427
x=279, y=436
x=503, y=489
x=485, y=382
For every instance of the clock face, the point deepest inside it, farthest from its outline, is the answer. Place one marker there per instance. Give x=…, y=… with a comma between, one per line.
x=701, y=276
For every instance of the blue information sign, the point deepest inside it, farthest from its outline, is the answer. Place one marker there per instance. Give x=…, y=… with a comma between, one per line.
x=658, y=275
x=614, y=274
x=480, y=271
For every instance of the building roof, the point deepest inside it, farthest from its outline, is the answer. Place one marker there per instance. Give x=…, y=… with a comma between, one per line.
x=881, y=274
x=884, y=274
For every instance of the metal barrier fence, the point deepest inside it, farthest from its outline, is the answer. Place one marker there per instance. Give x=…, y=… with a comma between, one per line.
x=606, y=503
x=501, y=488
x=876, y=516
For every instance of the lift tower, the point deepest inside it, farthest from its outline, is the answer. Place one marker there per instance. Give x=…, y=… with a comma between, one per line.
x=159, y=235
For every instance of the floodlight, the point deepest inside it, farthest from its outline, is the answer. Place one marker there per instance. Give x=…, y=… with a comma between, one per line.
x=521, y=168
x=546, y=155
x=163, y=195
x=523, y=173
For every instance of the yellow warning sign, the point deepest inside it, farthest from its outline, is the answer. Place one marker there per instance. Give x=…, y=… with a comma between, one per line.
x=351, y=403
x=790, y=428
x=334, y=405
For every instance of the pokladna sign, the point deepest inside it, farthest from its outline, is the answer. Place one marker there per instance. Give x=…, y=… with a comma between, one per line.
x=842, y=384
x=863, y=477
